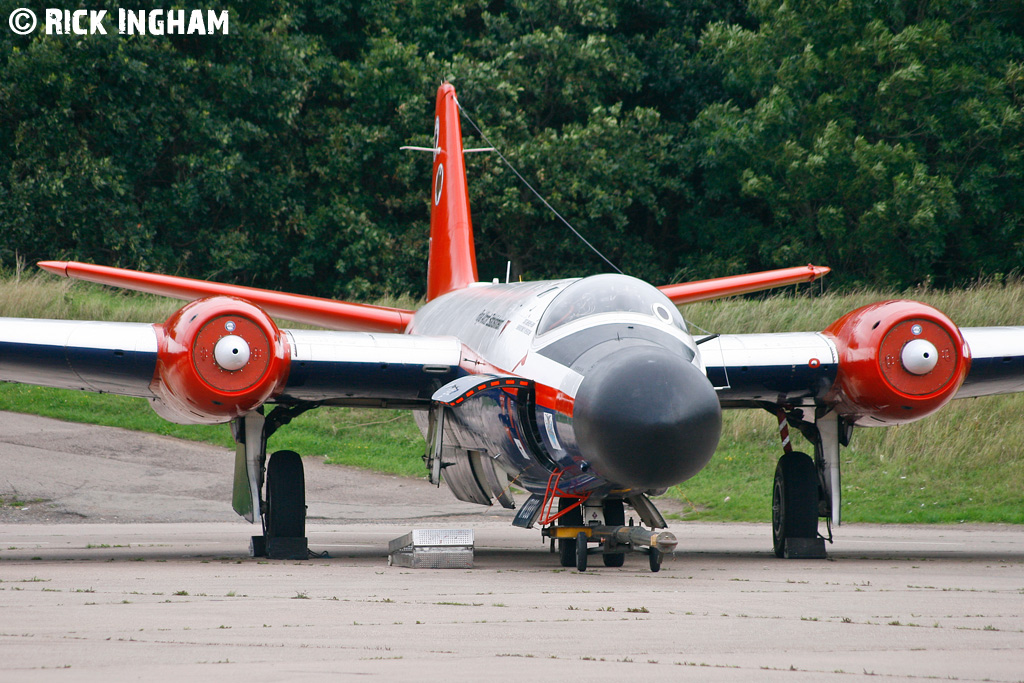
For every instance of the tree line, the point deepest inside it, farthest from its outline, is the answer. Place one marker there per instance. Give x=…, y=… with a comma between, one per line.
x=684, y=139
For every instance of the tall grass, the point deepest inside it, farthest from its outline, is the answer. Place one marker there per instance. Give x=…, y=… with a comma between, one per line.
x=990, y=302
x=25, y=294
x=40, y=295
x=965, y=463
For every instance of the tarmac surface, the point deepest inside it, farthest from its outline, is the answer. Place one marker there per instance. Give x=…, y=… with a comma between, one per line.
x=120, y=559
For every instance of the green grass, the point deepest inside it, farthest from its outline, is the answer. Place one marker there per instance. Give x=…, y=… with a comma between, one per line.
x=386, y=441
x=964, y=464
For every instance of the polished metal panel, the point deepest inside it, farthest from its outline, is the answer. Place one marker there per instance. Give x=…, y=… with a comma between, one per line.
x=457, y=472
x=491, y=478
x=250, y=454
x=116, y=358
x=792, y=367
x=353, y=367
x=997, y=361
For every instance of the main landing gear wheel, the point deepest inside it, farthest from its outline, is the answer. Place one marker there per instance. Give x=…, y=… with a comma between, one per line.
x=285, y=517
x=794, y=501
x=581, y=551
x=567, y=546
x=614, y=515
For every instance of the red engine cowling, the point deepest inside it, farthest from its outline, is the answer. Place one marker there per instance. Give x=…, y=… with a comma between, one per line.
x=898, y=362
x=219, y=358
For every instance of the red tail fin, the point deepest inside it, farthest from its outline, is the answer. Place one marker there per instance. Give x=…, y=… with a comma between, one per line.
x=452, y=263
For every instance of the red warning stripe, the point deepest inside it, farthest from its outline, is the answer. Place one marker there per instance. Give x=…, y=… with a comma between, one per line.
x=504, y=383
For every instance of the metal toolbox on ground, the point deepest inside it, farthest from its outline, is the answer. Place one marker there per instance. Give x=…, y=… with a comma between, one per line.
x=433, y=549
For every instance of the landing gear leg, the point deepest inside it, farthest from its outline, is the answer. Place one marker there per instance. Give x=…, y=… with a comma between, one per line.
x=282, y=512
x=285, y=518
x=250, y=458
x=615, y=538
x=795, y=508
x=614, y=515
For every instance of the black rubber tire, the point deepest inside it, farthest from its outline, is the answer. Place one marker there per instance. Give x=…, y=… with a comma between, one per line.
x=655, y=557
x=581, y=552
x=567, y=546
x=794, y=500
x=614, y=515
x=286, y=496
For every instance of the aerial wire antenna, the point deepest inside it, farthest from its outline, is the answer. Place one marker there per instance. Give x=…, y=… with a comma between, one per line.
x=711, y=336
x=519, y=175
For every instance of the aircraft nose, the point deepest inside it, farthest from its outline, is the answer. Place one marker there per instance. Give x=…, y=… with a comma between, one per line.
x=646, y=418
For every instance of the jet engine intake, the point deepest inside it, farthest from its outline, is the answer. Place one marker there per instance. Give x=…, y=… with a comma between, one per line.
x=219, y=358
x=899, y=361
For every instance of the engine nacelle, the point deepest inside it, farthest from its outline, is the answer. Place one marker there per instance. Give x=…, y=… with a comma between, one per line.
x=899, y=361
x=219, y=358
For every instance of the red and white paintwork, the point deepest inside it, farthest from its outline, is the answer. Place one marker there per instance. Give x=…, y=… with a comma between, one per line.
x=452, y=261
x=218, y=358
x=899, y=361
x=222, y=356
x=706, y=290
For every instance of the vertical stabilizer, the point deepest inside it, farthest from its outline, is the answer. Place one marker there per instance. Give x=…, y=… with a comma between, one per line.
x=452, y=263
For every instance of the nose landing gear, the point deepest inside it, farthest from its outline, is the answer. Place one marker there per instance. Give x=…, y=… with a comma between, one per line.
x=574, y=541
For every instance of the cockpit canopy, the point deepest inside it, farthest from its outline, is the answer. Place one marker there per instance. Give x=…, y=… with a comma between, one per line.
x=608, y=293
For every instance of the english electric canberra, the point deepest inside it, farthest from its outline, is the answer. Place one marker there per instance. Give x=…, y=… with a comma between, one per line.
x=590, y=393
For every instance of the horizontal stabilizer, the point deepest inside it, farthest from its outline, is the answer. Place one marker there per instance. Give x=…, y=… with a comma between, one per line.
x=718, y=288
x=335, y=315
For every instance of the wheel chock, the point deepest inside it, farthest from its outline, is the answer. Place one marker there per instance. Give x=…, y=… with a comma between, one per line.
x=287, y=548
x=805, y=548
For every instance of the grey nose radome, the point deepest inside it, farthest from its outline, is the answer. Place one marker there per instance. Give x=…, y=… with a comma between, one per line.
x=646, y=419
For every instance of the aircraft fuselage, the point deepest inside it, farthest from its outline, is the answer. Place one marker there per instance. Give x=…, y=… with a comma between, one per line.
x=622, y=402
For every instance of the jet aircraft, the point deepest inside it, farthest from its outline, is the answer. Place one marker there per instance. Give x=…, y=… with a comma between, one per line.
x=591, y=393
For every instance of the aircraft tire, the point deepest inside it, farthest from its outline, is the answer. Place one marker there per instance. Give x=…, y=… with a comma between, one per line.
x=286, y=496
x=614, y=515
x=567, y=546
x=581, y=552
x=794, y=500
x=655, y=556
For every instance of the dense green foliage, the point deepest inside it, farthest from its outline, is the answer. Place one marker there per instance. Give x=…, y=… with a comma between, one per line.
x=684, y=139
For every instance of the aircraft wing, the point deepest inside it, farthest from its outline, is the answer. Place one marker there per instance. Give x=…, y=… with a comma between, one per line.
x=115, y=358
x=137, y=359
x=329, y=313
x=733, y=285
x=997, y=361
x=360, y=368
x=801, y=368
x=792, y=368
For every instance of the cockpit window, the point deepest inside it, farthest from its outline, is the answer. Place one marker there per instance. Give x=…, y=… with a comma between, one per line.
x=608, y=294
